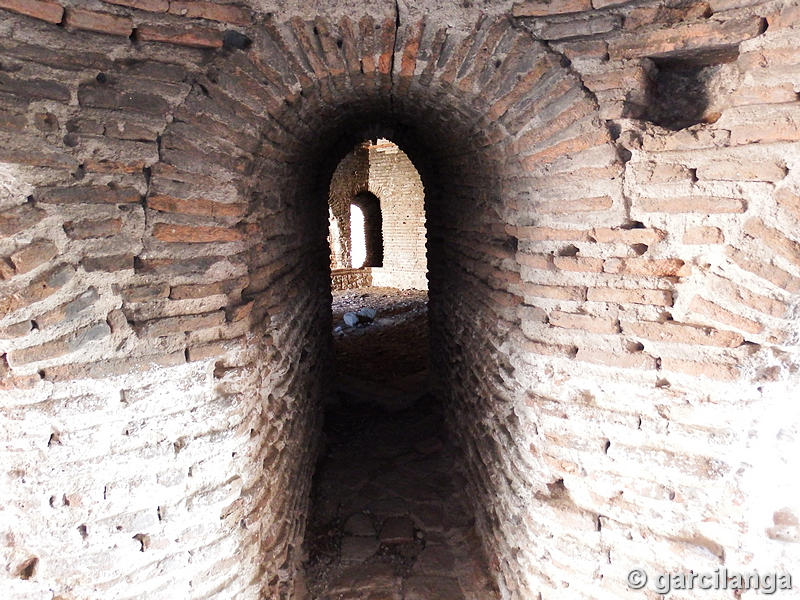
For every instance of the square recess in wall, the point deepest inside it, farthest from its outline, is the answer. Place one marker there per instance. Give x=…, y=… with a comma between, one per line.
x=688, y=89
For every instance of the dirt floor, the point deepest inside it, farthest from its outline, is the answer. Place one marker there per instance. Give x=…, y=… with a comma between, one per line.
x=386, y=360
x=390, y=520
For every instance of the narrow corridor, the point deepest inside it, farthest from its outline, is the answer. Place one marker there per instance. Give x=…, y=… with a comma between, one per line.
x=389, y=517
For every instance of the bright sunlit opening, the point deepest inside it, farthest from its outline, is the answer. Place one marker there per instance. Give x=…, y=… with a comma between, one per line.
x=358, y=240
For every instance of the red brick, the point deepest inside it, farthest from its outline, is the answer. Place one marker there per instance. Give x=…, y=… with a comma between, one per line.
x=703, y=235
x=627, y=78
x=627, y=236
x=663, y=267
x=763, y=123
x=596, y=137
x=778, y=93
x=18, y=218
x=198, y=9
x=566, y=124
x=691, y=204
x=789, y=201
x=19, y=382
x=194, y=235
x=84, y=230
x=67, y=310
x=684, y=37
x=718, y=371
x=636, y=360
x=31, y=88
x=717, y=313
x=408, y=62
x=773, y=274
x=548, y=349
x=632, y=296
x=109, y=263
x=197, y=37
x=31, y=256
x=144, y=293
x=387, y=46
x=93, y=194
x=742, y=170
x=203, y=290
x=536, y=261
x=581, y=321
x=98, y=21
x=182, y=324
x=575, y=205
x=40, y=287
x=195, y=206
x=52, y=12
x=763, y=304
x=682, y=333
x=556, y=292
x=666, y=15
x=774, y=239
x=206, y=351
x=524, y=85
x=16, y=330
x=537, y=234
x=540, y=8
x=109, y=368
x=61, y=346
x=149, y=5
x=582, y=264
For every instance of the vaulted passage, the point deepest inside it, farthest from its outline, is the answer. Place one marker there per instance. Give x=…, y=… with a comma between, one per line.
x=612, y=296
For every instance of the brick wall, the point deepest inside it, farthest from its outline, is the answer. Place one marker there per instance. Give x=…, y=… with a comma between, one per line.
x=393, y=179
x=613, y=282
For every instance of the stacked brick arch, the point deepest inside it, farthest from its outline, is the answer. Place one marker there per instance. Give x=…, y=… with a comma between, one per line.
x=608, y=328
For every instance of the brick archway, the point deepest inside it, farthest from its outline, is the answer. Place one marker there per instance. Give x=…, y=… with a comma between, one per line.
x=165, y=291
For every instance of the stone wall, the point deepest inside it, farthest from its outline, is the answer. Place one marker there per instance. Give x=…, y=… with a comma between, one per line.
x=613, y=282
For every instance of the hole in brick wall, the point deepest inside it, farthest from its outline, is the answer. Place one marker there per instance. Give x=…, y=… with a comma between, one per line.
x=569, y=250
x=687, y=90
x=144, y=541
x=83, y=531
x=639, y=249
x=632, y=225
x=28, y=568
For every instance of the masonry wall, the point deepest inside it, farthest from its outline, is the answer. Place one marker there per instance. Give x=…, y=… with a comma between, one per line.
x=613, y=282
x=393, y=179
x=382, y=169
x=350, y=177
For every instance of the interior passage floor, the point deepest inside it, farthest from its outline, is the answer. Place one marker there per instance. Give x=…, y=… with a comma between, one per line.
x=390, y=520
